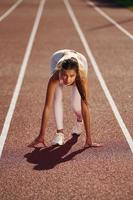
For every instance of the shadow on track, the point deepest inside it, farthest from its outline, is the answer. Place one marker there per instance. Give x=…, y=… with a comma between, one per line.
x=49, y=157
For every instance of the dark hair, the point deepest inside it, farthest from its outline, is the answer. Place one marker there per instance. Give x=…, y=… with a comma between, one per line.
x=72, y=63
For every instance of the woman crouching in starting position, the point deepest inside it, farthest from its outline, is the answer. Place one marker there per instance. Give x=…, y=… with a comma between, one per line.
x=69, y=68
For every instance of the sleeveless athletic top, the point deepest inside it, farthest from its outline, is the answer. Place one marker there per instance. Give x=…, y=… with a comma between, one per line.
x=64, y=54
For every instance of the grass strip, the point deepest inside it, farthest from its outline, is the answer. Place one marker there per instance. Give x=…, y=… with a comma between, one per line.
x=125, y=3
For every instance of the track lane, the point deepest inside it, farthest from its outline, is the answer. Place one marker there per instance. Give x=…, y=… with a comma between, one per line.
x=90, y=174
x=13, y=41
x=113, y=21
x=99, y=76
x=118, y=70
x=20, y=77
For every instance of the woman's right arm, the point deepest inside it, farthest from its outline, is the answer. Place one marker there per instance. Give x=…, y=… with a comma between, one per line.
x=52, y=84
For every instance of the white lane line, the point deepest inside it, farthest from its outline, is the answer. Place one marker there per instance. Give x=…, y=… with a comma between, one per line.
x=8, y=12
x=99, y=76
x=110, y=20
x=20, y=77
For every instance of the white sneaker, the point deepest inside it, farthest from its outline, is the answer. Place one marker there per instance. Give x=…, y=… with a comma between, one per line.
x=59, y=139
x=77, y=129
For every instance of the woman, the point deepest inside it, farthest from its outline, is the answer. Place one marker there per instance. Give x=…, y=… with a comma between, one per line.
x=69, y=68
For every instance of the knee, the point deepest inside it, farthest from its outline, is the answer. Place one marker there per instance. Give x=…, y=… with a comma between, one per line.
x=77, y=112
x=76, y=107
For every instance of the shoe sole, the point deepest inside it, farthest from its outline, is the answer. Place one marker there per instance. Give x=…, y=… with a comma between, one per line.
x=57, y=143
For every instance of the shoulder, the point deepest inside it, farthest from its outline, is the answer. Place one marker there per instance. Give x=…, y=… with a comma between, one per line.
x=55, y=76
x=83, y=73
x=53, y=80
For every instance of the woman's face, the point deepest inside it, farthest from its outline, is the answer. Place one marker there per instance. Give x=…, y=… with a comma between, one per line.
x=68, y=76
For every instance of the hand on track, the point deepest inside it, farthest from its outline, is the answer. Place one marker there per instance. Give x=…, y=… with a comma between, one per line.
x=87, y=145
x=37, y=143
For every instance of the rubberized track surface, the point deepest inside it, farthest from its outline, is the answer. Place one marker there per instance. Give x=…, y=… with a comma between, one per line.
x=69, y=171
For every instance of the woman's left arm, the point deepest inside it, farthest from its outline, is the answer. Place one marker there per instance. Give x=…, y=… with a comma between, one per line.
x=86, y=112
x=86, y=117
